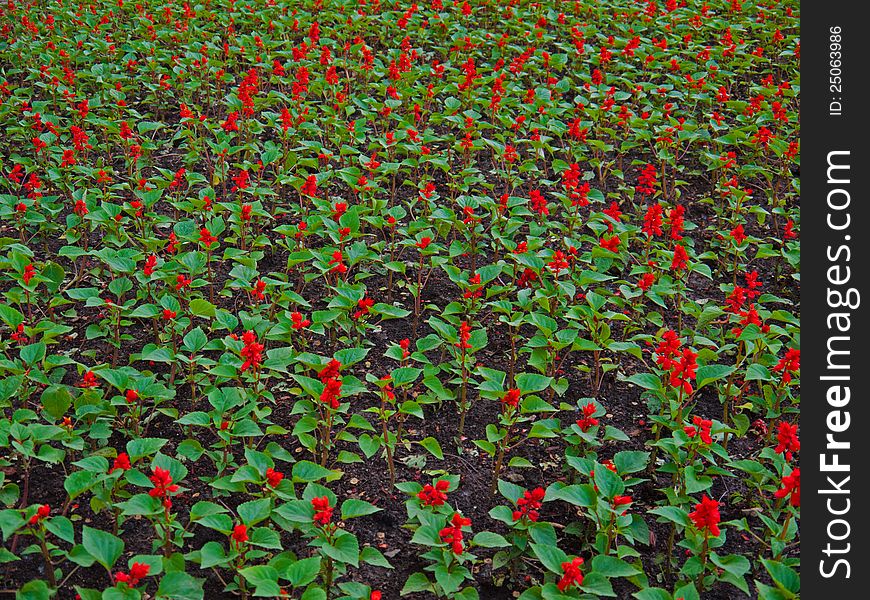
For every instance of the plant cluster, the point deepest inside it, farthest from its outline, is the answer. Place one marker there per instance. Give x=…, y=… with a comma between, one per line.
x=352, y=299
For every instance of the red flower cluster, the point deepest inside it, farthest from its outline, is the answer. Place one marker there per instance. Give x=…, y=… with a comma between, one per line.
x=121, y=463
x=787, y=439
x=571, y=574
x=252, y=352
x=464, y=335
x=529, y=504
x=588, y=421
x=273, y=477
x=706, y=516
x=434, y=495
x=682, y=367
x=332, y=384
x=163, y=486
x=652, y=220
x=41, y=513
x=239, y=535
x=700, y=427
x=322, y=510
x=138, y=572
x=363, y=307
x=647, y=180
x=790, y=363
x=298, y=321
x=452, y=534
x=791, y=488
x=511, y=398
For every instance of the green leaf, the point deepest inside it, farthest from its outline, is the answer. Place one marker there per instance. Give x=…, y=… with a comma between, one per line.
x=710, y=373
x=529, y=383
x=488, y=539
x=178, y=585
x=672, y=513
x=264, y=579
x=352, y=508
x=611, y=566
x=56, y=400
x=345, y=548
x=302, y=572
x=434, y=448
x=103, y=546
x=647, y=381
x=550, y=556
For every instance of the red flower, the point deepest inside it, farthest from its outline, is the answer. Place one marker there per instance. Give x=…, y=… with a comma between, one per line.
x=252, y=351
x=138, y=572
x=790, y=363
x=701, y=428
x=89, y=380
x=706, y=516
x=667, y=350
x=452, y=534
x=571, y=574
x=539, y=203
x=791, y=488
x=680, y=260
x=423, y=243
x=364, y=305
x=330, y=371
x=787, y=439
x=273, y=477
x=337, y=265
x=122, y=463
x=168, y=315
x=376, y=595
x=299, y=322
x=131, y=396
x=331, y=393
x=611, y=244
x=240, y=535
x=652, y=220
x=511, y=398
x=588, y=421
x=434, y=495
x=646, y=280
x=150, y=265
x=206, y=238
x=738, y=234
x=557, y=262
x=41, y=513
x=322, y=510
x=684, y=371
x=29, y=272
x=647, y=180
x=309, y=188
x=163, y=486
x=464, y=336
x=528, y=505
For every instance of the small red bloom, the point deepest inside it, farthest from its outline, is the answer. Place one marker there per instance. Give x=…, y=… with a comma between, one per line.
x=41, y=513
x=122, y=463
x=434, y=495
x=273, y=477
x=787, y=439
x=706, y=516
x=452, y=534
x=322, y=510
x=791, y=488
x=571, y=574
x=529, y=504
x=588, y=421
x=240, y=535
